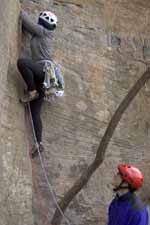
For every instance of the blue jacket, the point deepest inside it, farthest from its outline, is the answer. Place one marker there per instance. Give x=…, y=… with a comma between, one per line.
x=127, y=209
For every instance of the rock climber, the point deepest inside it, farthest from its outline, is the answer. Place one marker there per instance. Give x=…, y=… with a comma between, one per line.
x=126, y=208
x=33, y=69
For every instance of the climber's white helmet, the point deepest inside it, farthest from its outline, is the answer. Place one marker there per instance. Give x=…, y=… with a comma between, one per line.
x=49, y=17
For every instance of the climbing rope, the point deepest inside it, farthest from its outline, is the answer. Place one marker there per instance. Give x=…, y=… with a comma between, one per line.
x=39, y=196
x=52, y=192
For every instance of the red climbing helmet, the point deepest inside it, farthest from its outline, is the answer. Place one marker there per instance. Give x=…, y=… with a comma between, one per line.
x=132, y=175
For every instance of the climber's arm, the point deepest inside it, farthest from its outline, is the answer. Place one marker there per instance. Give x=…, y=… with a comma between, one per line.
x=32, y=27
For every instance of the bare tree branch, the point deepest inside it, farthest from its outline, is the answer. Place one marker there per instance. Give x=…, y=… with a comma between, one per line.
x=82, y=181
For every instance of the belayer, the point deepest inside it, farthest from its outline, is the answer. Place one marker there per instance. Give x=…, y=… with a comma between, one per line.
x=40, y=73
x=126, y=208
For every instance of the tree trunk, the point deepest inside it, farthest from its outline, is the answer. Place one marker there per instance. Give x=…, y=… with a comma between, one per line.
x=82, y=181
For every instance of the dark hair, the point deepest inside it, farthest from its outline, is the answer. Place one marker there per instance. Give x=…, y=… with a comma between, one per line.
x=131, y=189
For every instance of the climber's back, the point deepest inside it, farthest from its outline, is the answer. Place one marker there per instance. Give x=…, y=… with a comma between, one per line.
x=41, y=33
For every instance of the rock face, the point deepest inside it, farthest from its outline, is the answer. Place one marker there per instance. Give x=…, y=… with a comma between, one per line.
x=102, y=47
x=16, y=184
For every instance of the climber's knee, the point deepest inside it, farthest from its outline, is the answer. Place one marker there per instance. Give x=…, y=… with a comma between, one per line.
x=21, y=63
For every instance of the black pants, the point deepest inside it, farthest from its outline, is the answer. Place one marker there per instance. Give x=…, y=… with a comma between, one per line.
x=33, y=75
x=35, y=107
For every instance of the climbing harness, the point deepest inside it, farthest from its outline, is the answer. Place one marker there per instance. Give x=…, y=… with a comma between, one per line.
x=49, y=70
x=52, y=73
x=51, y=98
x=52, y=191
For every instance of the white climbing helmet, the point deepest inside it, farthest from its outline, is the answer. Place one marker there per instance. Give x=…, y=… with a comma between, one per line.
x=49, y=17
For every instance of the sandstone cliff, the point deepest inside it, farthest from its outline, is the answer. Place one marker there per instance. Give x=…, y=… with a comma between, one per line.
x=101, y=47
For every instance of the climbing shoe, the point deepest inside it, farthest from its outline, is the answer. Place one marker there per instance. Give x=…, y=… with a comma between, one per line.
x=35, y=148
x=29, y=96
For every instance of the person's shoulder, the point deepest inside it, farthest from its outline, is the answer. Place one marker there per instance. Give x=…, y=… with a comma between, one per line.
x=47, y=33
x=112, y=203
x=136, y=203
x=139, y=217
